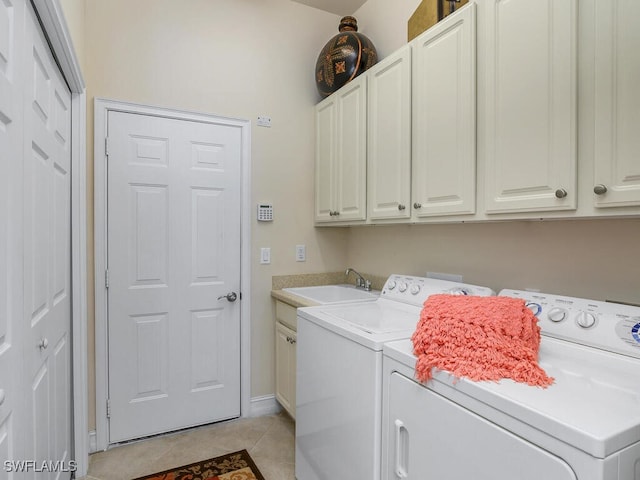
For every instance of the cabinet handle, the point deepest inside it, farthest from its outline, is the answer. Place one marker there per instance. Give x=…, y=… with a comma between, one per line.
x=417, y=205
x=331, y=213
x=43, y=343
x=293, y=341
x=561, y=193
x=600, y=189
x=401, y=456
x=336, y=213
x=401, y=207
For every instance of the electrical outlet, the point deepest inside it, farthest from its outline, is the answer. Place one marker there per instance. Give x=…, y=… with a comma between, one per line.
x=265, y=256
x=301, y=253
x=264, y=121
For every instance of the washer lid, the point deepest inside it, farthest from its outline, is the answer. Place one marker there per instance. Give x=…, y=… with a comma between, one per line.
x=594, y=404
x=368, y=323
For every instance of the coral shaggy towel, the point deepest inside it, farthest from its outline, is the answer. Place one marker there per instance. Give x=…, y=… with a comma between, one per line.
x=481, y=338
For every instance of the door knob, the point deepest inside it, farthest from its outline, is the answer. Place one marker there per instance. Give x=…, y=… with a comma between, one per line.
x=43, y=343
x=231, y=297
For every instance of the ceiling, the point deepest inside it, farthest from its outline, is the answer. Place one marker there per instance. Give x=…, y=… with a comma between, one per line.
x=338, y=7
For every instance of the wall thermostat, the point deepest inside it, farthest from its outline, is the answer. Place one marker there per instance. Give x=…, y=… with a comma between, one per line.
x=265, y=213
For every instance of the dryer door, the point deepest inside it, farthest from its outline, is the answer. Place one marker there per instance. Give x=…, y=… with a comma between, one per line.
x=431, y=437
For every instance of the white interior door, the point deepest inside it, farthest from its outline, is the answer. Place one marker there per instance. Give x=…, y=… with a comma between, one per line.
x=173, y=256
x=11, y=394
x=47, y=252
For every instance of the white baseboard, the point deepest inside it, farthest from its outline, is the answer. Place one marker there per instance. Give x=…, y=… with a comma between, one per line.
x=265, y=405
x=93, y=442
x=260, y=406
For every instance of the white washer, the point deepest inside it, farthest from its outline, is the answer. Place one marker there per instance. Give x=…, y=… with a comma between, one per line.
x=586, y=426
x=339, y=376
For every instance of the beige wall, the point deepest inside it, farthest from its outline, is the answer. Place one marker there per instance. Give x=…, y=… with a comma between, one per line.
x=385, y=23
x=597, y=259
x=235, y=58
x=74, y=11
x=242, y=59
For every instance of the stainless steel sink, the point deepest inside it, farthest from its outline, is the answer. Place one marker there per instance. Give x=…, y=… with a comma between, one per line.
x=328, y=294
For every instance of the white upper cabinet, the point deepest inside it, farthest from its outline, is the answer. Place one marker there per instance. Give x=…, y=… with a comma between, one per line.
x=617, y=104
x=389, y=137
x=530, y=111
x=444, y=117
x=341, y=154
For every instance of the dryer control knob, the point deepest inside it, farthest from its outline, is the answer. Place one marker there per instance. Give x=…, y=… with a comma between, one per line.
x=415, y=289
x=536, y=308
x=403, y=287
x=557, y=314
x=586, y=319
x=391, y=285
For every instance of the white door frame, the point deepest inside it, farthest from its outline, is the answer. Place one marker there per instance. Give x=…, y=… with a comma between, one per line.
x=55, y=28
x=102, y=108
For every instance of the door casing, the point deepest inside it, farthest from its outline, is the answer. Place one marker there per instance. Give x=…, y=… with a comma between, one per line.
x=101, y=109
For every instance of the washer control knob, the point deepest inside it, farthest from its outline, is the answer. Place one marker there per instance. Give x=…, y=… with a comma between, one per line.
x=403, y=287
x=557, y=314
x=459, y=291
x=586, y=319
x=391, y=285
x=415, y=289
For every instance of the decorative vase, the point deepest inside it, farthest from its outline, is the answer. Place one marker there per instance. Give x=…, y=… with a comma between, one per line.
x=344, y=57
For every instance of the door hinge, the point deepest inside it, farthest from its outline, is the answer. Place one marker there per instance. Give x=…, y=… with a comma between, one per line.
x=106, y=278
x=108, y=408
x=106, y=146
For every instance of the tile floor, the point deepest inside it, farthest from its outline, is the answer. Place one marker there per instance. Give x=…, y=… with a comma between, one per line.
x=270, y=440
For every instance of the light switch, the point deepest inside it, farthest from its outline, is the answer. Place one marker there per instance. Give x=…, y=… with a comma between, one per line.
x=301, y=253
x=265, y=256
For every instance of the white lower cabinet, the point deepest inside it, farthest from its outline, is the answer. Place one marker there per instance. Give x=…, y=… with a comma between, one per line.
x=286, y=339
x=617, y=104
x=444, y=117
x=529, y=118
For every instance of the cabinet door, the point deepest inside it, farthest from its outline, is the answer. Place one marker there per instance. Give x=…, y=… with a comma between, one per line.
x=444, y=117
x=617, y=104
x=389, y=137
x=325, y=159
x=530, y=105
x=351, y=158
x=285, y=368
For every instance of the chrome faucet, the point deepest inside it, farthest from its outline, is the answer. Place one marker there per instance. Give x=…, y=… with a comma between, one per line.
x=361, y=282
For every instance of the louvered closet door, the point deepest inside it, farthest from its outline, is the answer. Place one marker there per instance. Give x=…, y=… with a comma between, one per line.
x=47, y=252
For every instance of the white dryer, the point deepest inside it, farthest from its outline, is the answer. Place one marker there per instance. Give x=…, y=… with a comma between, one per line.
x=339, y=376
x=586, y=426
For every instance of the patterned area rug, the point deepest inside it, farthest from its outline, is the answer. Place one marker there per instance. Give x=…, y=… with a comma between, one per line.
x=233, y=466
